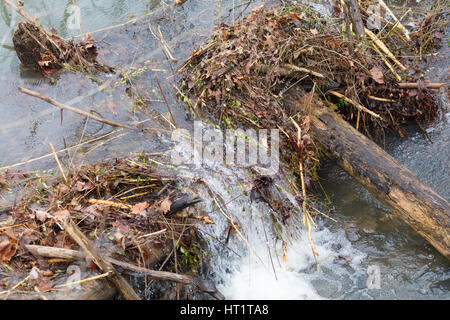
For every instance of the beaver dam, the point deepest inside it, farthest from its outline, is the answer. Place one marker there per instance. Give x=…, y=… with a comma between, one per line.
x=288, y=82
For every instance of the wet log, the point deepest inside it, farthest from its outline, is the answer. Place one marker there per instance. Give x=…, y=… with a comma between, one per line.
x=384, y=177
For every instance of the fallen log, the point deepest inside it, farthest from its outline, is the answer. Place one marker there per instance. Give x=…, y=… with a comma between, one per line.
x=384, y=177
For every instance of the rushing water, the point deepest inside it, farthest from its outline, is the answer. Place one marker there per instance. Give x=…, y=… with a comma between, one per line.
x=364, y=236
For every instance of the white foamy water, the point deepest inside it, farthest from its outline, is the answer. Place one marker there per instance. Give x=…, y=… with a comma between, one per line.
x=254, y=268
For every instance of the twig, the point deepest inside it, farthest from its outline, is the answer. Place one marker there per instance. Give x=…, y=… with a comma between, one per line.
x=72, y=109
x=300, y=69
x=110, y=203
x=357, y=105
x=104, y=275
x=381, y=99
x=383, y=48
x=398, y=23
x=58, y=163
x=165, y=100
x=415, y=85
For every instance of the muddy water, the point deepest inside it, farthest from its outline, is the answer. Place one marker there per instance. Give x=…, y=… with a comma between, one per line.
x=365, y=236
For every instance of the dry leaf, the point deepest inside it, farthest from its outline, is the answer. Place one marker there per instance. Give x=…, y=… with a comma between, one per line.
x=60, y=215
x=80, y=186
x=45, y=286
x=377, y=75
x=139, y=207
x=7, y=250
x=164, y=207
x=41, y=215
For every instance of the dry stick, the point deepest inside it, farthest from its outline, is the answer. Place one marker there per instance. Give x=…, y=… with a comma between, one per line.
x=415, y=85
x=358, y=117
x=58, y=163
x=122, y=285
x=163, y=41
x=398, y=23
x=104, y=275
x=165, y=100
x=300, y=69
x=383, y=48
x=72, y=109
x=357, y=105
x=381, y=99
x=110, y=203
x=386, y=62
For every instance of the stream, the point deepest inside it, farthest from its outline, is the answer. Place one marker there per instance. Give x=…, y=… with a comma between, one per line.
x=365, y=253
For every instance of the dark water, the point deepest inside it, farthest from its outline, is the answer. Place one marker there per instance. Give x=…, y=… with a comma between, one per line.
x=409, y=267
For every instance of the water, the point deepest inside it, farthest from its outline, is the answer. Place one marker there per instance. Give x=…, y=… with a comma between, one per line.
x=365, y=236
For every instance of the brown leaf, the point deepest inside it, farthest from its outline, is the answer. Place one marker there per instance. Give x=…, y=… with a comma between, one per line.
x=61, y=214
x=164, y=207
x=45, y=286
x=306, y=123
x=139, y=207
x=7, y=250
x=377, y=75
x=47, y=273
x=79, y=186
x=41, y=215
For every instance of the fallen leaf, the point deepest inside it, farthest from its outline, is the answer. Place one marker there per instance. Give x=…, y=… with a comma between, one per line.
x=47, y=273
x=45, y=286
x=164, y=207
x=7, y=250
x=314, y=32
x=79, y=186
x=41, y=215
x=139, y=207
x=377, y=75
x=61, y=214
